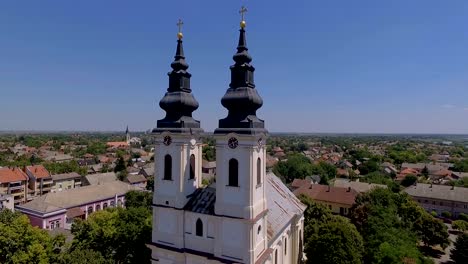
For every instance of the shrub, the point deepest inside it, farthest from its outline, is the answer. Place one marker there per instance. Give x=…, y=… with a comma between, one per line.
x=446, y=214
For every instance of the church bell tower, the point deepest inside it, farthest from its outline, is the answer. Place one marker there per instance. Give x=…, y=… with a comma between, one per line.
x=178, y=153
x=240, y=158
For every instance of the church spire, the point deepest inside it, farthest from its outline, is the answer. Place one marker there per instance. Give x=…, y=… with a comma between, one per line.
x=178, y=102
x=241, y=99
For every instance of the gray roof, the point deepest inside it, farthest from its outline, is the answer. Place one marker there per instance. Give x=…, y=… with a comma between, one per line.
x=52, y=202
x=202, y=201
x=100, y=178
x=65, y=176
x=136, y=178
x=282, y=204
x=441, y=192
x=361, y=187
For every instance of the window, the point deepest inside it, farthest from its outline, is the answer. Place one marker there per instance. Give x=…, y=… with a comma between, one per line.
x=192, y=167
x=90, y=209
x=285, y=246
x=276, y=256
x=104, y=206
x=199, y=228
x=168, y=167
x=112, y=204
x=119, y=203
x=233, y=172
x=259, y=230
x=259, y=171
x=98, y=207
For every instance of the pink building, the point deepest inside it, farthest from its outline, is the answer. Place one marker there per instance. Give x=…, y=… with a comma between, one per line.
x=58, y=210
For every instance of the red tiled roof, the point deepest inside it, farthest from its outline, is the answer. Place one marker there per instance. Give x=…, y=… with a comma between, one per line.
x=326, y=193
x=117, y=144
x=38, y=171
x=12, y=175
x=297, y=183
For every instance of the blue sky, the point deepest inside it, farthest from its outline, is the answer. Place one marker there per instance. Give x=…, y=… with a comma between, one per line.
x=321, y=66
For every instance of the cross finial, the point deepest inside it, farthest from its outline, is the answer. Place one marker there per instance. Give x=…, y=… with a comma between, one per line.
x=179, y=24
x=242, y=11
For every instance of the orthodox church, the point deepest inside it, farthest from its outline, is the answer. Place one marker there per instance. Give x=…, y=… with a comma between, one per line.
x=247, y=215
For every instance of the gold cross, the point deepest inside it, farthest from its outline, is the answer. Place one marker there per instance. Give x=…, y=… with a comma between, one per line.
x=242, y=11
x=179, y=24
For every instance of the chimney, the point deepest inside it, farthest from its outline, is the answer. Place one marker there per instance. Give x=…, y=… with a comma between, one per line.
x=349, y=189
x=430, y=186
x=453, y=187
x=328, y=190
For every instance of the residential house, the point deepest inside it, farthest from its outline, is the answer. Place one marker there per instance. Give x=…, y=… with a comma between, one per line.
x=209, y=167
x=360, y=187
x=66, y=181
x=14, y=182
x=405, y=172
x=338, y=199
x=58, y=210
x=388, y=168
x=139, y=181
x=440, y=198
x=147, y=171
x=117, y=145
x=40, y=180
x=99, y=178
x=7, y=202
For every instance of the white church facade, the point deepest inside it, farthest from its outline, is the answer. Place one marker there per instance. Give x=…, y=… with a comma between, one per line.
x=247, y=215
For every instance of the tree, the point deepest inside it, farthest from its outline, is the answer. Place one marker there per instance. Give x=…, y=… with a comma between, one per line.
x=431, y=231
x=22, y=243
x=459, y=253
x=150, y=183
x=409, y=180
x=296, y=166
x=446, y=214
x=392, y=224
x=460, y=225
x=120, y=166
x=425, y=172
x=118, y=234
x=336, y=241
x=463, y=217
x=83, y=256
x=134, y=199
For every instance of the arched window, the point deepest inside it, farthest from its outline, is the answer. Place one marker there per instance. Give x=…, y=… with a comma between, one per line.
x=168, y=167
x=285, y=246
x=259, y=171
x=112, y=204
x=233, y=172
x=104, y=206
x=98, y=207
x=192, y=167
x=90, y=210
x=199, y=228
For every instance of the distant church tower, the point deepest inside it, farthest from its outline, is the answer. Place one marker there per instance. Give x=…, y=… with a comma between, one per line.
x=246, y=216
x=127, y=136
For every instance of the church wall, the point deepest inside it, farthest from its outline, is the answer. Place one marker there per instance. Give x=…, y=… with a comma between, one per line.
x=168, y=227
x=204, y=243
x=166, y=189
x=233, y=239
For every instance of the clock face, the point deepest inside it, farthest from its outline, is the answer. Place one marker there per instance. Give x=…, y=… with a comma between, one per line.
x=167, y=140
x=233, y=143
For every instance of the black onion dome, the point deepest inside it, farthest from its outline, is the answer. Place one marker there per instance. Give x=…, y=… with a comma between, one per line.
x=241, y=99
x=178, y=102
